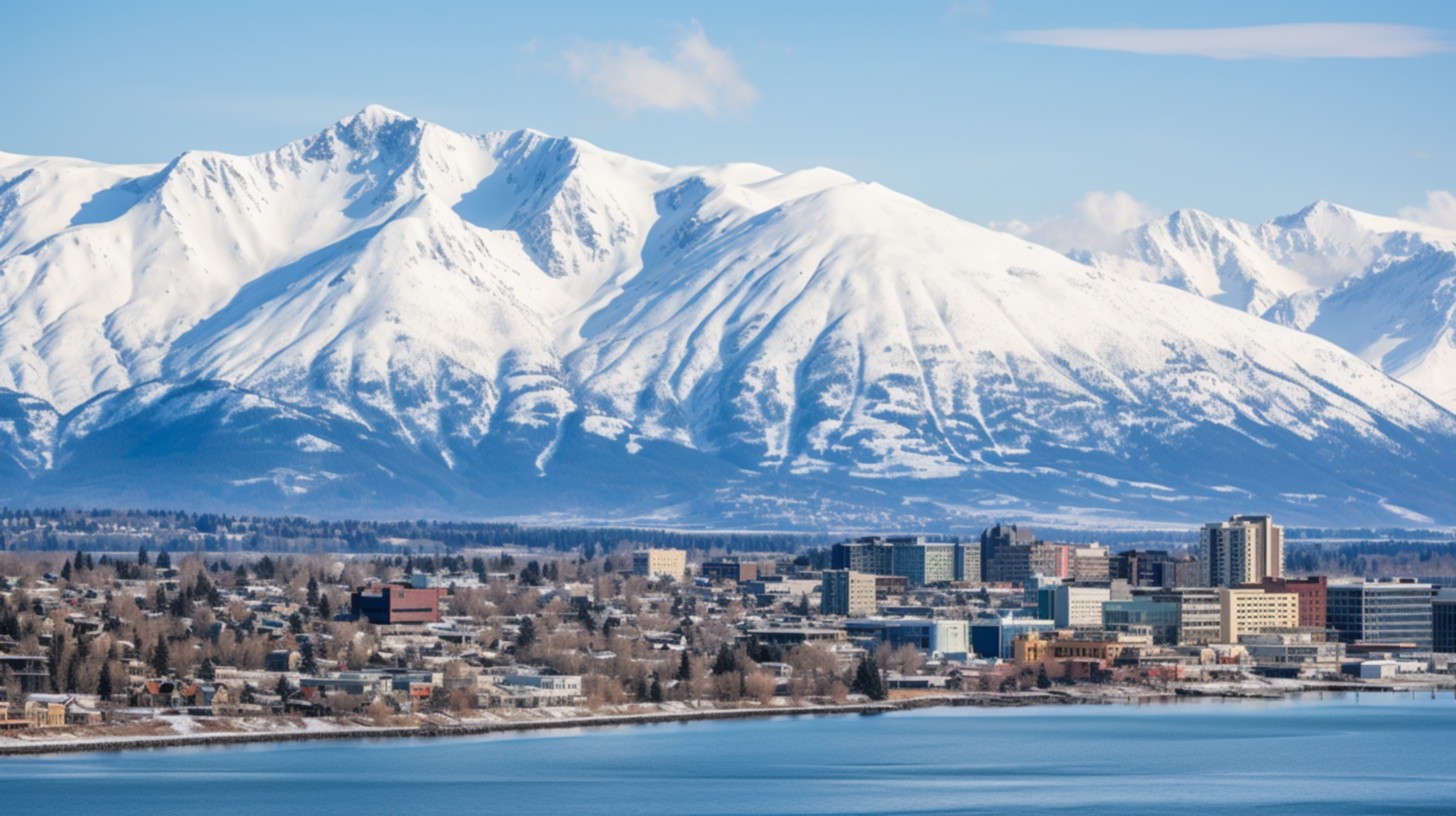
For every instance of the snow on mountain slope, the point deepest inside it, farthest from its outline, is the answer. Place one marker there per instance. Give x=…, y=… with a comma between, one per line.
x=1379, y=287
x=389, y=317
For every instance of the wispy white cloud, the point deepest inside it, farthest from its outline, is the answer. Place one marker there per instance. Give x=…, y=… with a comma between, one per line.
x=699, y=76
x=1438, y=211
x=1095, y=222
x=1287, y=41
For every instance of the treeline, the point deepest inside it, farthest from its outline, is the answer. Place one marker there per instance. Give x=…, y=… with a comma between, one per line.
x=1428, y=560
x=51, y=530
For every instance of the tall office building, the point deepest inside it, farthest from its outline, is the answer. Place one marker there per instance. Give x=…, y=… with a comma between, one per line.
x=1200, y=614
x=968, y=561
x=1381, y=612
x=1242, y=550
x=1443, y=622
x=923, y=562
x=1002, y=535
x=846, y=592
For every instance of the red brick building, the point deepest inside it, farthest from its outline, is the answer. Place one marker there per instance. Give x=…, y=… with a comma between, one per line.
x=1312, y=594
x=395, y=603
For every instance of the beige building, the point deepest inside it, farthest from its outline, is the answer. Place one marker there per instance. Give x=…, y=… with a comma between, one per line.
x=660, y=563
x=1242, y=550
x=846, y=592
x=1252, y=611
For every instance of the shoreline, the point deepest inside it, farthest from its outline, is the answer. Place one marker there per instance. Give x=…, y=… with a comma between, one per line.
x=13, y=747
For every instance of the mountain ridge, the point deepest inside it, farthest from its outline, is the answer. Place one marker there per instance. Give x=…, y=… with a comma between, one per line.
x=391, y=314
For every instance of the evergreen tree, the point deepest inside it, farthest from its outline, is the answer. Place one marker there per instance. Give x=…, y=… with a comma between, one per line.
x=527, y=636
x=164, y=561
x=295, y=623
x=161, y=659
x=868, y=680
x=142, y=556
x=66, y=571
x=313, y=592
x=655, y=692
x=684, y=668
x=103, y=683
x=325, y=609
x=207, y=671
x=283, y=689
x=80, y=562
x=1042, y=681
x=725, y=662
x=309, y=663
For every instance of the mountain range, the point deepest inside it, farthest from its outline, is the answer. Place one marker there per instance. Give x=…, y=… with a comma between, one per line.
x=389, y=318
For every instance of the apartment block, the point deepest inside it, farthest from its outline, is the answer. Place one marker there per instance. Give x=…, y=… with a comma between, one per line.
x=1254, y=611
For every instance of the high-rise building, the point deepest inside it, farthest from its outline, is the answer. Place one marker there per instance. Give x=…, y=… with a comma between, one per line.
x=846, y=592
x=923, y=562
x=1242, y=550
x=1254, y=611
x=968, y=561
x=1016, y=563
x=1381, y=612
x=1002, y=535
x=660, y=564
x=1089, y=564
x=868, y=555
x=1150, y=568
x=1443, y=622
x=919, y=561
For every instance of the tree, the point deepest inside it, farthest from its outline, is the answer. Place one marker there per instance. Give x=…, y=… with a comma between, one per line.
x=161, y=659
x=309, y=664
x=725, y=663
x=81, y=560
x=654, y=693
x=142, y=556
x=103, y=683
x=1042, y=681
x=66, y=571
x=325, y=609
x=527, y=636
x=684, y=669
x=164, y=561
x=207, y=671
x=283, y=689
x=868, y=680
x=313, y=591
x=295, y=623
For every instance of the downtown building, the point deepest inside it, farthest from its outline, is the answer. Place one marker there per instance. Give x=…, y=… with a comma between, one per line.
x=1443, y=622
x=846, y=592
x=1242, y=550
x=1391, y=612
x=919, y=562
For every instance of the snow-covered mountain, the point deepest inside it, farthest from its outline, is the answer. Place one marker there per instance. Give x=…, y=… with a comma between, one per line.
x=1380, y=287
x=389, y=317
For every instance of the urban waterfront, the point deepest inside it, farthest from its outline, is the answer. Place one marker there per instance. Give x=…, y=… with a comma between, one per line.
x=1330, y=754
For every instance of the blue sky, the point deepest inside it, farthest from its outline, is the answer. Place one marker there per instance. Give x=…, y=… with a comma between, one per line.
x=972, y=106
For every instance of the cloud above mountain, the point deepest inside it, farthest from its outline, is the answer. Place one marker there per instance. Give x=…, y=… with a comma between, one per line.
x=1438, y=211
x=1286, y=41
x=699, y=76
x=1094, y=222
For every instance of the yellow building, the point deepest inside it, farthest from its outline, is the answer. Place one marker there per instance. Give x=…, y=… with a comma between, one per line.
x=660, y=563
x=1251, y=611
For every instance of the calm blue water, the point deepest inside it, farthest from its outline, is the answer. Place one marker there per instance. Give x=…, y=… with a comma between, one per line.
x=1380, y=754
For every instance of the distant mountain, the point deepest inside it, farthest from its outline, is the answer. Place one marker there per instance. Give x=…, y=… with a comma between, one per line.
x=1382, y=288
x=389, y=318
